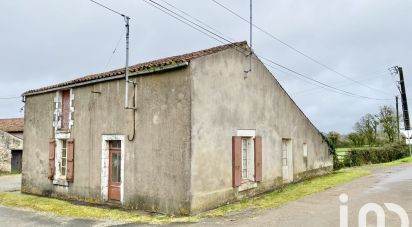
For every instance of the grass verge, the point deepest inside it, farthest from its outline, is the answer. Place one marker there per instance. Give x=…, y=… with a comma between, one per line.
x=396, y=162
x=294, y=192
x=67, y=209
x=9, y=173
x=290, y=192
x=274, y=199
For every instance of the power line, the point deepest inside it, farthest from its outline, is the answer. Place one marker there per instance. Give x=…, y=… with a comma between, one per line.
x=346, y=84
x=114, y=11
x=295, y=49
x=114, y=51
x=189, y=23
x=195, y=24
x=194, y=18
x=319, y=82
x=149, y=2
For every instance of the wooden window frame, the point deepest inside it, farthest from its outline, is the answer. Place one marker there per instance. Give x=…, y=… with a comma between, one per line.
x=63, y=164
x=253, y=167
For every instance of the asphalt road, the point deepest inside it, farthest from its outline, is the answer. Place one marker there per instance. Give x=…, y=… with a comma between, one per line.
x=10, y=183
x=392, y=185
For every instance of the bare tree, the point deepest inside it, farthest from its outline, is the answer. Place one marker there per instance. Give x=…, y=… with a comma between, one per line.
x=387, y=120
x=367, y=126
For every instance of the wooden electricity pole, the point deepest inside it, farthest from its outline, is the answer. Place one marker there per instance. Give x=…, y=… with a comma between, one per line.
x=397, y=118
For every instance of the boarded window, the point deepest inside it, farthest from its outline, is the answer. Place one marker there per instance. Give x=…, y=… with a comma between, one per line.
x=305, y=154
x=65, y=109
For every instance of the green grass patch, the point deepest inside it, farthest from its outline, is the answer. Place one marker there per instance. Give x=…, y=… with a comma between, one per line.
x=67, y=209
x=396, y=162
x=9, y=173
x=291, y=192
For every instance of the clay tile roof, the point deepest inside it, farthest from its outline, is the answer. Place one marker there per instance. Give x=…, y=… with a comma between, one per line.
x=12, y=125
x=140, y=67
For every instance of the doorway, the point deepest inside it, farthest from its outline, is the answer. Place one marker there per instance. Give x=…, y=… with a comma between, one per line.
x=287, y=160
x=115, y=163
x=16, y=161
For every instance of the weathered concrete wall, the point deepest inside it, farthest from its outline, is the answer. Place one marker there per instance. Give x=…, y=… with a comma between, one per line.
x=156, y=168
x=8, y=143
x=223, y=101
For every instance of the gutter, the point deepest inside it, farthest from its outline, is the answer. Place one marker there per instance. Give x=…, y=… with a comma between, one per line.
x=138, y=73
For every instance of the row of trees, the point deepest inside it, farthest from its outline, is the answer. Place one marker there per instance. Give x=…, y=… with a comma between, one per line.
x=371, y=129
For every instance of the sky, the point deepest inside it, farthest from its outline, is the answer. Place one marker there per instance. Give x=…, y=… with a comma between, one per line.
x=44, y=42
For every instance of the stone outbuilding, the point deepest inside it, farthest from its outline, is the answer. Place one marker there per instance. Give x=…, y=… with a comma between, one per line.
x=198, y=132
x=11, y=144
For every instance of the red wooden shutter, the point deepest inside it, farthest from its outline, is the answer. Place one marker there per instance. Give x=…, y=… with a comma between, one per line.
x=70, y=160
x=258, y=158
x=236, y=161
x=52, y=148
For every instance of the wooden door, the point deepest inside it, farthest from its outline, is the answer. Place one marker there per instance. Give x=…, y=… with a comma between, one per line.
x=16, y=161
x=285, y=161
x=115, y=163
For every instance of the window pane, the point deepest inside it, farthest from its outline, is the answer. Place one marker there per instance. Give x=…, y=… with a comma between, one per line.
x=115, y=144
x=119, y=161
x=115, y=167
x=245, y=148
x=63, y=166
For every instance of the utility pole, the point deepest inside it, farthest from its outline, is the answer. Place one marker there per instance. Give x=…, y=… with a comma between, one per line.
x=397, y=119
x=127, y=81
x=126, y=21
x=405, y=112
x=404, y=99
x=250, y=38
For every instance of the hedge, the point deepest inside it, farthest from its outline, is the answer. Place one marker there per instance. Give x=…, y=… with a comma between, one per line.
x=358, y=157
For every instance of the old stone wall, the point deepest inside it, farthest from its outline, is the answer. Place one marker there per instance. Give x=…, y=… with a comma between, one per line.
x=8, y=143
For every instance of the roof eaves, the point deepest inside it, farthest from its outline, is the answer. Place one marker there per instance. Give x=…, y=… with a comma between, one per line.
x=108, y=77
x=142, y=68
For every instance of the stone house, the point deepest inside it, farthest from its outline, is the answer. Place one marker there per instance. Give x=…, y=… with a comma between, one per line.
x=11, y=144
x=199, y=132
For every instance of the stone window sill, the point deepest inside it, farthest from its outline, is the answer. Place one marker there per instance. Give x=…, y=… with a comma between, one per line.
x=247, y=185
x=63, y=130
x=61, y=182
